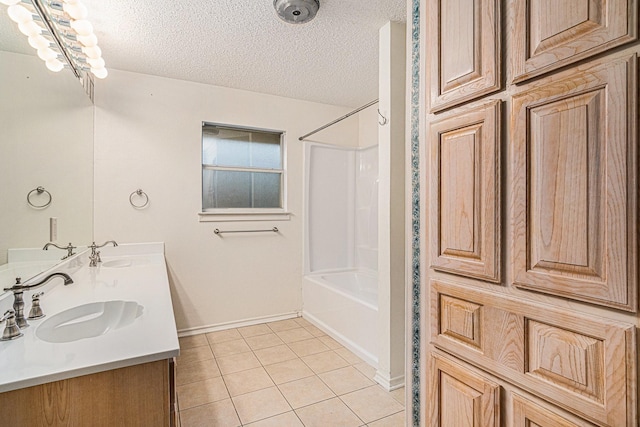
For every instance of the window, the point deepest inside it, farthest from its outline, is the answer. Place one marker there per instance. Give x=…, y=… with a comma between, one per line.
x=242, y=170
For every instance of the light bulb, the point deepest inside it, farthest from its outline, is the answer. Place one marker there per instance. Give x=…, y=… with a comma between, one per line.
x=75, y=10
x=82, y=27
x=10, y=2
x=88, y=41
x=39, y=42
x=100, y=73
x=29, y=28
x=19, y=13
x=54, y=65
x=47, y=54
x=96, y=63
x=93, y=52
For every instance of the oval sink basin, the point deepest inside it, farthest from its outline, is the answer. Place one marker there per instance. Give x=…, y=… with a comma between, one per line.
x=123, y=263
x=88, y=320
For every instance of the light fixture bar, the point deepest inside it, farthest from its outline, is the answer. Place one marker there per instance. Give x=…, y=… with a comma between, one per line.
x=54, y=36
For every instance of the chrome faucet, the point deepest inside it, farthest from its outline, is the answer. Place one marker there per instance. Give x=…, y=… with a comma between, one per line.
x=19, y=288
x=69, y=248
x=94, y=258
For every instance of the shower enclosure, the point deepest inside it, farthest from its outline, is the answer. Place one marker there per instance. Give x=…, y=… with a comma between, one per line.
x=340, y=284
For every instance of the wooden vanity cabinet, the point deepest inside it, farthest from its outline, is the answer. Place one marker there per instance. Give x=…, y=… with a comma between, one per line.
x=140, y=395
x=530, y=188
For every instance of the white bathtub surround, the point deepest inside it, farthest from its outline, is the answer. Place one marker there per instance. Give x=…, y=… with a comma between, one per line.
x=29, y=361
x=391, y=225
x=345, y=305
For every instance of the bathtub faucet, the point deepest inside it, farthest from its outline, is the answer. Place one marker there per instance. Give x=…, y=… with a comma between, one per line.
x=69, y=248
x=19, y=288
x=94, y=258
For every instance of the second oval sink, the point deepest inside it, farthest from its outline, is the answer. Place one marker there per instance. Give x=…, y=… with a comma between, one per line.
x=88, y=320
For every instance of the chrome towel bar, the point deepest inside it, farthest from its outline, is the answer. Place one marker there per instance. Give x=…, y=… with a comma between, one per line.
x=218, y=231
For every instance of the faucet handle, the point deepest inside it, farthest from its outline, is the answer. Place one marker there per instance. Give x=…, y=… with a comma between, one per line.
x=36, y=310
x=11, y=330
x=8, y=314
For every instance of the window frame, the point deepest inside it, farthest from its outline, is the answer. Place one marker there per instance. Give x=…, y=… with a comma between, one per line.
x=245, y=214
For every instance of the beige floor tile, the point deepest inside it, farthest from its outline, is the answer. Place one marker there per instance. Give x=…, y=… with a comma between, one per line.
x=347, y=355
x=289, y=370
x=305, y=392
x=220, y=413
x=260, y=404
x=324, y=362
x=345, y=380
x=315, y=331
x=398, y=394
x=288, y=419
x=395, y=420
x=196, y=371
x=252, y=331
x=283, y=325
x=201, y=392
x=307, y=347
x=222, y=336
x=302, y=321
x=271, y=355
x=372, y=403
x=330, y=342
x=193, y=341
x=332, y=412
x=264, y=341
x=194, y=354
x=368, y=370
x=227, y=348
x=237, y=363
x=293, y=335
x=247, y=381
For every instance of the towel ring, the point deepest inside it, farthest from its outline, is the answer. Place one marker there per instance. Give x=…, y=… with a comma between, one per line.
x=384, y=119
x=39, y=190
x=140, y=193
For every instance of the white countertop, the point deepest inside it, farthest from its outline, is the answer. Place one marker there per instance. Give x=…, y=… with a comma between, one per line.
x=29, y=361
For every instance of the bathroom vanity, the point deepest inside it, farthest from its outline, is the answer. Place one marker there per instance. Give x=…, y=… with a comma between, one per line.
x=103, y=355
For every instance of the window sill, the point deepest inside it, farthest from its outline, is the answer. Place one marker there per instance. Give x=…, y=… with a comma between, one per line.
x=243, y=216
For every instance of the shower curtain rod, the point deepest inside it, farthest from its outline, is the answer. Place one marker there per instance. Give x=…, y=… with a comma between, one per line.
x=357, y=110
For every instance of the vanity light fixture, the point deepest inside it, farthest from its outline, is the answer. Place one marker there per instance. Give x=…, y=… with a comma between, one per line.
x=61, y=34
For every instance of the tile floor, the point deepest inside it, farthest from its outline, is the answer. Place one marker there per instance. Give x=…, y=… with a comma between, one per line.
x=279, y=374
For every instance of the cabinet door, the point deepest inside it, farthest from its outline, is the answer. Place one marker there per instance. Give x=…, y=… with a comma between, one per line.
x=552, y=33
x=464, y=53
x=528, y=414
x=465, y=152
x=575, y=176
x=461, y=398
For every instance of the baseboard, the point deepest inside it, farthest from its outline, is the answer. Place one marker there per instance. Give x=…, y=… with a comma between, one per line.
x=236, y=324
x=389, y=384
x=353, y=347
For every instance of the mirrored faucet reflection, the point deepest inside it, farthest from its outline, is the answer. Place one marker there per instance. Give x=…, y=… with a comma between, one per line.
x=69, y=248
x=19, y=288
x=94, y=258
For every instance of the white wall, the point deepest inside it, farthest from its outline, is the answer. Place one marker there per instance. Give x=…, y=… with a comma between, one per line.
x=391, y=232
x=148, y=136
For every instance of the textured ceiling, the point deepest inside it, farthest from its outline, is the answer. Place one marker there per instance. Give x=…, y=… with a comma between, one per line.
x=243, y=44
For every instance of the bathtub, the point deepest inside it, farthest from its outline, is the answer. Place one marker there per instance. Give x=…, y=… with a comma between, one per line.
x=345, y=305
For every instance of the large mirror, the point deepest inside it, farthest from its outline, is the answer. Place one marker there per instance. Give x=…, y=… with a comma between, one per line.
x=46, y=140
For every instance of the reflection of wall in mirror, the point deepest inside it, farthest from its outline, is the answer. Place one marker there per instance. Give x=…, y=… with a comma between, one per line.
x=46, y=139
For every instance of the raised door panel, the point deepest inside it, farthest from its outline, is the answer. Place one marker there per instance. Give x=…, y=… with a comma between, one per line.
x=529, y=414
x=465, y=58
x=465, y=150
x=575, y=171
x=585, y=364
x=461, y=398
x=553, y=33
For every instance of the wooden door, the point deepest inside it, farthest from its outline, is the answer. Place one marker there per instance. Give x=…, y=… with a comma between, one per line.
x=531, y=201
